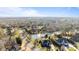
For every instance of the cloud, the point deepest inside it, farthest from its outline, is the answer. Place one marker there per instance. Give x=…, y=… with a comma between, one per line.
x=33, y=13
x=20, y=12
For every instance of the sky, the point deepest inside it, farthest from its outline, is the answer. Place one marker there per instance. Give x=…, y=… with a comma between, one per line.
x=39, y=11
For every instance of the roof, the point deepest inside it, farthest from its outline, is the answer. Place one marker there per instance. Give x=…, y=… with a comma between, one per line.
x=62, y=41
